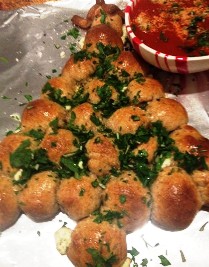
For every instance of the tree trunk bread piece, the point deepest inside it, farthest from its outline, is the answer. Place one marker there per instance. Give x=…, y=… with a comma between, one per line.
x=13, y=4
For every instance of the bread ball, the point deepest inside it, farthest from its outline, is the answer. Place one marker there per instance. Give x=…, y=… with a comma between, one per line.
x=93, y=86
x=102, y=34
x=38, y=199
x=78, y=197
x=127, y=195
x=150, y=147
x=59, y=84
x=114, y=21
x=145, y=90
x=38, y=114
x=102, y=155
x=170, y=112
x=188, y=139
x=201, y=179
x=127, y=120
x=103, y=239
x=9, y=209
x=8, y=146
x=58, y=144
x=127, y=62
x=82, y=114
x=175, y=199
x=78, y=69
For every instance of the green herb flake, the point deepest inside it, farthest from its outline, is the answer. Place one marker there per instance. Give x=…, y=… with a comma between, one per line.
x=72, y=48
x=74, y=32
x=4, y=60
x=135, y=118
x=22, y=156
x=99, y=259
x=164, y=260
x=63, y=37
x=144, y=262
x=122, y=199
x=182, y=256
x=82, y=191
x=5, y=97
x=103, y=16
x=134, y=252
x=202, y=228
x=28, y=98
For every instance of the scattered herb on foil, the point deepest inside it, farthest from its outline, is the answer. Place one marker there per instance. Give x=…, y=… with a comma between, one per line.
x=74, y=32
x=4, y=60
x=38, y=233
x=183, y=258
x=28, y=97
x=202, y=228
x=164, y=260
x=144, y=262
x=134, y=252
x=5, y=97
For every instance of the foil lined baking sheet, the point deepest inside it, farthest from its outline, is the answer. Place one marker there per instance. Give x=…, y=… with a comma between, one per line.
x=34, y=45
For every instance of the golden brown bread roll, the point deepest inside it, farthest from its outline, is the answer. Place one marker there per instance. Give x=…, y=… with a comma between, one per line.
x=126, y=194
x=112, y=20
x=176, y=199
x=102, y=154
x=92, y=87
x=38, y=199
x=150, y=147
x=127, y=62
x=78, y=69
x=127, y=120
x=82, y=120
x=146, y=90
x=39, y=113
x=66, y=87
x=9, y=209
x=102, y=34
x=188, y=139
x=201, y=179
x=58, y=144
x=104, y=239
x=170, y=112
x=77, y=197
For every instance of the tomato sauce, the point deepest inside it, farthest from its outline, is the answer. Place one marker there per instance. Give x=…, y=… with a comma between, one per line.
x=179, y=28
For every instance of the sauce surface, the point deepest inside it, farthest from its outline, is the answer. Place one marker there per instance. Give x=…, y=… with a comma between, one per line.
x=179, y=28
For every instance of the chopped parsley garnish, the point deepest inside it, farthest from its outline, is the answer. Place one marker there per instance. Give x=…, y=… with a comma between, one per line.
x=109, y=216
x=74, y=32
x=36, y=134
x=122, y=199
x=99, y=260
x=164, y=260
x=73, y=165
x=134, y=252
x=103, y=16
x=29, y=161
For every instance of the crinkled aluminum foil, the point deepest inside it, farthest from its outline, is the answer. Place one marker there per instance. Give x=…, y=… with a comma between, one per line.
x=31, y=49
